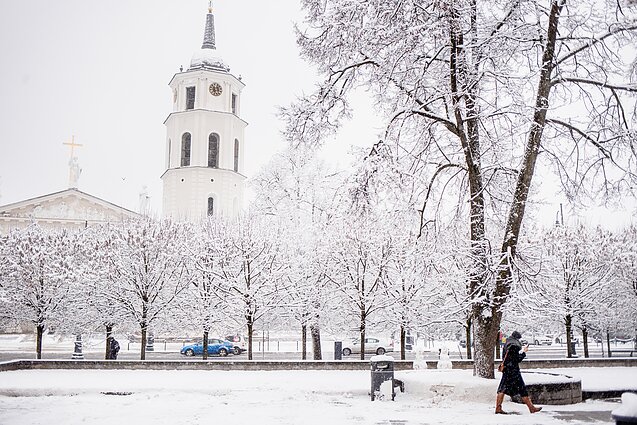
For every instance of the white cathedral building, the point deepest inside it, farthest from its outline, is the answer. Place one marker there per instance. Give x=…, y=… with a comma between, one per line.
x=205, y=138
x=204, y=156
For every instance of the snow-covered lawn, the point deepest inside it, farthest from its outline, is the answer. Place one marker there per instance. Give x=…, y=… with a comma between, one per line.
x=278, y=397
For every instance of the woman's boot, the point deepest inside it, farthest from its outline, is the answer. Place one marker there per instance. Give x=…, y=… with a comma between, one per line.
x=530, y=405
x=498, y=404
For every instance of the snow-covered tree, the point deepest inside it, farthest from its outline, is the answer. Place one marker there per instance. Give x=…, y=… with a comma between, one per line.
x=574, y=269
x=296, y=191
x=246, y=253
x=87, y=312
x=99, y=286
x=146, y=259
x=36, y=267
x=360, y=257
x=625, y=275
x=412, y=287
x=206, y=306
x=473, y=91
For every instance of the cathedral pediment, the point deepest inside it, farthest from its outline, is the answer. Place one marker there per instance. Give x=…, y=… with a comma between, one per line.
x=68, y=208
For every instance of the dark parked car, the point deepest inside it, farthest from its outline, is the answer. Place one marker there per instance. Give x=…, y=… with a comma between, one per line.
x=215, y=346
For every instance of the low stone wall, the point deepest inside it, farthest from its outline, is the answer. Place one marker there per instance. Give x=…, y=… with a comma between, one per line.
x=603, y=395
x=196, y=365
x=217, y=364
x=556, y=393
x=553, y=363
x=579, y=362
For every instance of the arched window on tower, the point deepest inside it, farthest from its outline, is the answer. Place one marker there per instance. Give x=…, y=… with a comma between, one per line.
x=211, y=205
x=190, y=97
x=185, y=150
x=170, y=149
x=236, y=155
x=213, y=150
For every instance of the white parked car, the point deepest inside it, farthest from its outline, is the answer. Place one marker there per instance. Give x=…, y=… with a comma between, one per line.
x=372, y=346
x=542, y=340
x=562, y=339
x=240, y=344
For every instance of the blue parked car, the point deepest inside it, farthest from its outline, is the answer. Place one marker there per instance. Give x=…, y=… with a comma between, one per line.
x=215, y=346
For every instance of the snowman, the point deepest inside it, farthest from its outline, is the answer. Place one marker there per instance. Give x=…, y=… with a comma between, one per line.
x=419, y=361
x=444, y=362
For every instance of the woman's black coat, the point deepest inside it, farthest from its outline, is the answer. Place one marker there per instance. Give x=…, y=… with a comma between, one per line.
x=512, y=383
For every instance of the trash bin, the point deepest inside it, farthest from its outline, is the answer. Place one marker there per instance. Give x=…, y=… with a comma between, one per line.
x=382, y=368
x=338, y=350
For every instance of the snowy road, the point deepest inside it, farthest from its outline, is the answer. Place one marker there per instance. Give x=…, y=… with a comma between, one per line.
x=21, y=347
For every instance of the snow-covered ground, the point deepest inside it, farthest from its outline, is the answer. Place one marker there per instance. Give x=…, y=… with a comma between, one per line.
x=280, y=397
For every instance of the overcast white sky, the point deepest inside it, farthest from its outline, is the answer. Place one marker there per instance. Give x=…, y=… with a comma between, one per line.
x=100, y=71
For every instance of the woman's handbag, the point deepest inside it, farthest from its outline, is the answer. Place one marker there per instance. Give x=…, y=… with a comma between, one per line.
x=501, y=365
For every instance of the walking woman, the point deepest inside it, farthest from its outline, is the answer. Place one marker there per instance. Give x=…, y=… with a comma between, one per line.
x=511, y=383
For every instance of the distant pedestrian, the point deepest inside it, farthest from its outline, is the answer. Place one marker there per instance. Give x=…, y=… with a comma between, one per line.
x=113, y=349
x=512, y=383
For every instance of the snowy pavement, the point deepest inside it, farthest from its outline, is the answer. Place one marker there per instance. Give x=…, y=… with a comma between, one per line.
x=278, y=397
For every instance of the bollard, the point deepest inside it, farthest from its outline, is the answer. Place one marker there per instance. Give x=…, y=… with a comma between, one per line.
x=338, y=350
x=150, y=342
x=573, y=352
x=77, y=351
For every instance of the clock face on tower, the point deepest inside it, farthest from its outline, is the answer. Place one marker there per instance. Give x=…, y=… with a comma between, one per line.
x=215, y=89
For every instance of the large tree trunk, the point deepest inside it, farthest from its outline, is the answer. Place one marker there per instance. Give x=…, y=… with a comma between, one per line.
x=487, y=318
x=462, y=73
x=362, y=333
x=144, y=326
x=402, y=342
x=304, y=342
x=485, y=333
x=498, y=354
x=143, y=350
x=109, y=335
x=468, y=337
x=316, y=341
x=568, y=322
x=38, y=340
x=250, y=332
x=205, y=345
x=585, y=341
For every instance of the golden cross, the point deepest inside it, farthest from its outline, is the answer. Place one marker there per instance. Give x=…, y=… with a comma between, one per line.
x=72, y=144
x=74, y=168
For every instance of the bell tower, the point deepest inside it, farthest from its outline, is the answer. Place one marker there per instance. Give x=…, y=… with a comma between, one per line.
x=204, y=138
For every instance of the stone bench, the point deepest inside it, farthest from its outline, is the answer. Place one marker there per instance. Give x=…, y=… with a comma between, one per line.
x=559, y=390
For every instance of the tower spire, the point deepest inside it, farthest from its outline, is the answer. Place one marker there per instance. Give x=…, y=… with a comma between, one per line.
x=209, y=32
